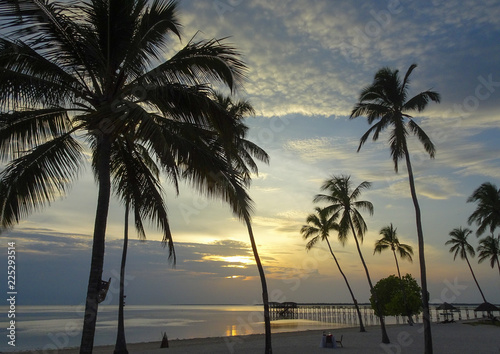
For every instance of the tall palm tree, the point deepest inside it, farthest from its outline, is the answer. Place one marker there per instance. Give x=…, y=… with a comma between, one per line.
x=136, y=182
x=95, y=71
x=386, y=102
x=239, y=154
x=343, y=205
x=318, y=227
x=487, y=213
x=390, y=240
x=461, y=247
x=229, y=182
x=489, y=248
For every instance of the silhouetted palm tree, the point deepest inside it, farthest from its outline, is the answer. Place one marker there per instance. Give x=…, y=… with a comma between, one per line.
x=239, y=154
x=462, y=247
x=136, y=181
x=489, y=249
x=96, y=70
x=487, y=213
x=386, y=102
x=390, y=240
x=343, y=205
x=318, y=227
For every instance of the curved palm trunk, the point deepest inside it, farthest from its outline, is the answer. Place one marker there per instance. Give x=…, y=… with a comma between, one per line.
x=397, y=263
x=410, y=321
x=423, y=273
x=121, y=343
x=385, y=337
x=265, y=297
x=474, y=276
x=361, y=326
x=96, y=266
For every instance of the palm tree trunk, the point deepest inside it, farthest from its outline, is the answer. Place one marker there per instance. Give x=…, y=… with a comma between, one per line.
x=121, y=343
x=265, y=297
x=97, y=261
x=385, y=337
x=423, y=273
x=474, y=276
x=410, y=321
x=361, y=326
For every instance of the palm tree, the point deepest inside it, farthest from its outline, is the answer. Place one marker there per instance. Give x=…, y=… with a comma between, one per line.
x=229, y=182
x=239, y=154
x=390, y=240
x=489, y=248
x=386, y=102
x=221, y=169
x=318, y=227
x=93, y=73
x=462, y=247
x=487, y=213
x=136, y=182
x=343, y=204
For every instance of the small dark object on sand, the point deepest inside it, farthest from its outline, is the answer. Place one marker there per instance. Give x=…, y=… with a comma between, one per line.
x=164, y=341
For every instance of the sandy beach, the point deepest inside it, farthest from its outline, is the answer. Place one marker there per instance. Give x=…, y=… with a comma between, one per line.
x=447, y=338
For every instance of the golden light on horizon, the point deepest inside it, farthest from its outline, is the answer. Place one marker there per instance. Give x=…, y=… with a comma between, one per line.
x=241, y=261
x=234, y=276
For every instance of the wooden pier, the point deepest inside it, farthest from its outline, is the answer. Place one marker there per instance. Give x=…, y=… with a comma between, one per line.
x=283, y=310
x=346, y=314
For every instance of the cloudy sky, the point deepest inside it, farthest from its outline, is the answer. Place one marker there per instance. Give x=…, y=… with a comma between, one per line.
x=307, y=63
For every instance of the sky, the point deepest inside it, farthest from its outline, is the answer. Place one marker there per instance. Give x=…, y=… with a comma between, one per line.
x=307, y=62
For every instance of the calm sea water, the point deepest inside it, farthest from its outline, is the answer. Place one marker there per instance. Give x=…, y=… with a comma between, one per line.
x=55, y=327
x=39, y=328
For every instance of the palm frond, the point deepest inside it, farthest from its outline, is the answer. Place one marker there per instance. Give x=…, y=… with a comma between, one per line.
x=151, y=35
x=419, y=102
x=487, y=212
x=423, y=138
x=489, y=248
x=200, y=63
x=21, y=131
x=398, y=143
x=26, y=67
x=33, y=180
x=136, y=181
x=406, y=82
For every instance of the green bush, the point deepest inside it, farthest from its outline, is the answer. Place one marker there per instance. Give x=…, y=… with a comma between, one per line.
x=392, y=298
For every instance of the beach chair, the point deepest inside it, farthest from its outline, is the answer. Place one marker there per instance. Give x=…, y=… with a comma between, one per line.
x=340, y=341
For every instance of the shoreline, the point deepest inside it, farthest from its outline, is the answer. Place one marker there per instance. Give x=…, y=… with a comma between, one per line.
x=459, y=337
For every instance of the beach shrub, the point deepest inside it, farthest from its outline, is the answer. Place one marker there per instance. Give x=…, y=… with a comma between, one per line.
x=392, y=299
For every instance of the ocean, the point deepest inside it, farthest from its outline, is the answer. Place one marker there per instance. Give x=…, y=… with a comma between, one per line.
x=54, y=327
x=39, y=328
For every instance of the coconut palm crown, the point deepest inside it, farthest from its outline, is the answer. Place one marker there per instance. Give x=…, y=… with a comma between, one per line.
x=390, y=241
x=385, y=103
x=343, y=205
x=489, y=249
x=487, y=213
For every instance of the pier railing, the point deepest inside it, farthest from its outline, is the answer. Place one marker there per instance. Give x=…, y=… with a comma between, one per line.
x=346, y=314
